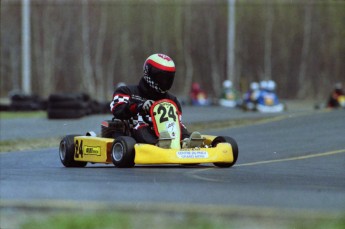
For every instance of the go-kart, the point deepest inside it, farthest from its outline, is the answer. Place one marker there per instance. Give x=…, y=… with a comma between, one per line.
x=123, y=151
x=267, y=102
x=228, y=99
x=340, y=101
x=333, y=103
x=231, y=103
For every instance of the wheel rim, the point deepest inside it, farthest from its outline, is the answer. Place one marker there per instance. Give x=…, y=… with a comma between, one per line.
x=117, y=152
x=62, y=150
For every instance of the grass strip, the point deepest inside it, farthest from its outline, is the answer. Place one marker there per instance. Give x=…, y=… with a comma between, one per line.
x=22, y=114
x=87, y=215
x=120, y=220
x=28, y=144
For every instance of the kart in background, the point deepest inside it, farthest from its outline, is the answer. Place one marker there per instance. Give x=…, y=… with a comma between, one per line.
x=123, y=151
x=230, y=103
x=337, y=103
x=341, y=101
x=265, y=102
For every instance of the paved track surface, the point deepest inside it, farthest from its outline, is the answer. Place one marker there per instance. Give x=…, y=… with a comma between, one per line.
x=296, y=161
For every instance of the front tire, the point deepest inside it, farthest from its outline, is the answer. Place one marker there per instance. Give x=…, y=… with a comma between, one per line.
x=66, y=152
x=234, y=146
x=122, y=152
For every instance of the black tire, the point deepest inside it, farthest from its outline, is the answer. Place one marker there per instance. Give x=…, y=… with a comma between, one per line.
x=122, y=152
x=73, y=104
x=21, y=98
x=95, y=107
x=234, y=145
x=105, y=108
x=66, y=152
x=25, y=106
x=65, y=113
x=24, y=98
x=5, y=107
x=59, y=97
x=65, y=97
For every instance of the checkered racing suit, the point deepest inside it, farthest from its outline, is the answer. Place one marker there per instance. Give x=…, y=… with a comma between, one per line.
x=126, y=106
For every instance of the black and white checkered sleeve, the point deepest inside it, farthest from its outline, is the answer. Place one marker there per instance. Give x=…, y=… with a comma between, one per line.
x=118, y=100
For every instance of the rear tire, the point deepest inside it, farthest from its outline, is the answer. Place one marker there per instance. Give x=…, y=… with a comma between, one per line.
x=122, y=152
x=234, y=146
x=66, y=152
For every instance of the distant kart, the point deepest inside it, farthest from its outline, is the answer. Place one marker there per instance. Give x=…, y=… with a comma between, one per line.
x=124, y=151
x=270, y=109
x=227, y=103
x=341, y=101
x=333, y=103
x=228, y=98
x=267, y=102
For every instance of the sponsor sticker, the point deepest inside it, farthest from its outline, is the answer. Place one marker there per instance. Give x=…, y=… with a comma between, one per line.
x=171, y=128
x=192, y=154
x=92, y=150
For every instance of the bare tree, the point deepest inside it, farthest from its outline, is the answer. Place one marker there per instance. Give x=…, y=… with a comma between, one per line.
x=268, y=41
x=178, y=37
x=214, y=60
x=88, y=82
x=9, y=48
x=304, y=84
x=157, y=26
x=99, y=69
x=231, y=40
x=63, y=74
x=49, y=47
x=125, y=46
x=187, y=50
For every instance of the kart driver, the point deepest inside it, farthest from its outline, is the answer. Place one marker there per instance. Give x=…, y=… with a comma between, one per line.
x=333, y=101
x=133, y=102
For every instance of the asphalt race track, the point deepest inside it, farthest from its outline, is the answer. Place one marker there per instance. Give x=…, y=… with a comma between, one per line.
x=294, y=161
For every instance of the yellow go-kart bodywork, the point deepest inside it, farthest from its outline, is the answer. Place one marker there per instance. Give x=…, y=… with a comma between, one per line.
x=77, y=151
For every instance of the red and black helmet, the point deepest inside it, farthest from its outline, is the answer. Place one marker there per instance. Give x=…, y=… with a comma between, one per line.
x=159, y=72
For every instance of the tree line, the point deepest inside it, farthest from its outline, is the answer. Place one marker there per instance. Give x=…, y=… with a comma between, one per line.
x=90, y=45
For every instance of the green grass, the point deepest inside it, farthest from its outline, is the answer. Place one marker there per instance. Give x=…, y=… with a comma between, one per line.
x=172, y=220
x=21, y=114
x=28, y=144
x=62, y=214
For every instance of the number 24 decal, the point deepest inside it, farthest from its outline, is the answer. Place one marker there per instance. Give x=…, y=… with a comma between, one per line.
x=166, y=114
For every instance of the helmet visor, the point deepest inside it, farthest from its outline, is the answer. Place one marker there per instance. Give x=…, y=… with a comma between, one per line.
x=163, y=79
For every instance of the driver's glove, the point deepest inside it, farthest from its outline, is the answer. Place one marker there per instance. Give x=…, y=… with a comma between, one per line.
x=145, y=107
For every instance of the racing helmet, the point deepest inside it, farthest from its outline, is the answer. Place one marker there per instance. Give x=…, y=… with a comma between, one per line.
x=227, y=84
x=196, y=86
x=159, y=72
x=254, y=86
x=263, y=85
x=338, y=85
x=271, y=85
